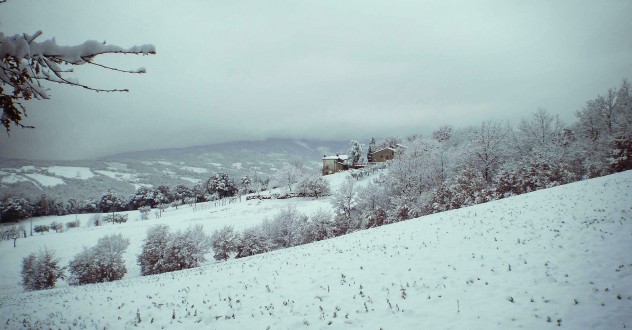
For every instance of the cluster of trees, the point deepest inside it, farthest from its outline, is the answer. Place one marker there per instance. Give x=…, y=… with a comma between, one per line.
x=101, y=263
x=162, y=251
x=454, y=168
x=286, y=229
x=294, y=178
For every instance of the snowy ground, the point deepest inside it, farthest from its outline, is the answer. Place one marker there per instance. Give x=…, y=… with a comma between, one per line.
x=560, y=256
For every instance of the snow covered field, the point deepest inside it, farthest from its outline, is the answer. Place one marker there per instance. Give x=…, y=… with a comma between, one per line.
x=560, y=256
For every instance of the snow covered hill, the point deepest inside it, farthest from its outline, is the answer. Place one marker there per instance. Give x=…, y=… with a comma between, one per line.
x=555, y=257
x=124, y=173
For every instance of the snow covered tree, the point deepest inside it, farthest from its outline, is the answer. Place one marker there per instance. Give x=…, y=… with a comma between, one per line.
x=313, y=186
x=111, y=202
x=372, y=204
x=221, y=184
x=488, y=148
x=162, y=195
x=14, y=232
x=143, y=197
x=354, y=153
x=604, y=126
x=41, y=270
x=182, y=192
x=15, y=209
x=466, y=188
x=413, y=176
x=163, y=251
x=286, y=228
x=152, y=258
x=252, y=241
x=187, y=249
x=531, y=177
x=442, y=134
x=245, y=184
x=621, y=154
x=541, y=138
x=344, y=204
x=89, y=206
x=144, y=212
x=101, y=263
x=224, y=242
x=287, y=176
x=389, y=142
x=197, y=192
x=27, y=64
x=370, y=150
x=321, y=226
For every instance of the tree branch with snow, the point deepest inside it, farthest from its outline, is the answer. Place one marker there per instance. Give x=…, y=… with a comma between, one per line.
x=26, y=65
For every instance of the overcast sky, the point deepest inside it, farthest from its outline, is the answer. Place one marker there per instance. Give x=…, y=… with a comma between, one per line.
x=237, y=70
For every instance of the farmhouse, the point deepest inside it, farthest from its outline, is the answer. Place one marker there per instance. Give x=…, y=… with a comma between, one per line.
x=383, y=155
x=333, y=164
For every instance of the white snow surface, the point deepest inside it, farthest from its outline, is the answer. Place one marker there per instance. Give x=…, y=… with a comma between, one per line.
x=194, y=169
x=12, y=178
x=531, y=261
x=71, y=172
x=45, y=180
x=118, y=175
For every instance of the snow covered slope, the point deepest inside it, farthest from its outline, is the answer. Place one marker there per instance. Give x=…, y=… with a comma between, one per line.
x=560, y=256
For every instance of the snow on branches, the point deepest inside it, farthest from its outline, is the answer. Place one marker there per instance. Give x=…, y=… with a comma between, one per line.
x=26, y=64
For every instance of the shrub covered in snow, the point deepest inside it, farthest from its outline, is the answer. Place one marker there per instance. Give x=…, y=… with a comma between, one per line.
x=96, y=220
x=41, y=270
x=286, y=229
x=144, y=212
x=251, y=242
x=163, y=251
x=465, y=189
x=535, y=176
x=321, y=226
x=73, y=224
x=115, y=218
x=224, y=242
x=101, y=263
x=41, y=229
x=152, y=259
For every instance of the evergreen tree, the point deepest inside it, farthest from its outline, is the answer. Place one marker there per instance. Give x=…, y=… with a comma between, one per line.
x=370, y=151
x=355, y=153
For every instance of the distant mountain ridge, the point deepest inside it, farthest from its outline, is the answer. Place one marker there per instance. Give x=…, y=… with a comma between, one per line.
x=125, y=172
